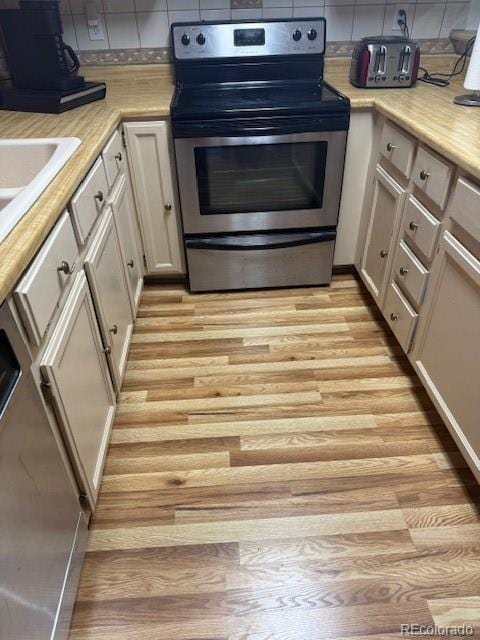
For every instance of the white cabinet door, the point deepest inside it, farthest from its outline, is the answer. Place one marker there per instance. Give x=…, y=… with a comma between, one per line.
x=105, y=272
x=113, y=158
x=74, y=365
x=38, y=293
x=387, y=204
x=152, y=169
x=88, y=201
x=447, y=350
x=125, y=221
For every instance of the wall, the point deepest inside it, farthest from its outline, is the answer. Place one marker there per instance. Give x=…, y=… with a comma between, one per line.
x=134, y=24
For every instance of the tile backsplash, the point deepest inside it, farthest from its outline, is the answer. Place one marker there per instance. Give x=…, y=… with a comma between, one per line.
x=133, y=24
x=144, y=24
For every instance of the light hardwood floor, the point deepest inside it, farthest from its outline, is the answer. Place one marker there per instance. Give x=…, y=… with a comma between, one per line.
x=276, y=472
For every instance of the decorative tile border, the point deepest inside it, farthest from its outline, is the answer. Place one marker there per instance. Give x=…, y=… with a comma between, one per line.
x=162, y=56
x=125, y=56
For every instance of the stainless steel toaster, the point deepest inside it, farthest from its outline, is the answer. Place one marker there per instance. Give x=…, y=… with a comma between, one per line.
x=379, y=62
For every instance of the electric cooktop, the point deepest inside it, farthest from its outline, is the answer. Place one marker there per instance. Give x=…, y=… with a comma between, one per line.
x=256, y=99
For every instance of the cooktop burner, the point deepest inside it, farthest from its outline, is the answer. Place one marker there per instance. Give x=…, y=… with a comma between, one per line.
x=256, y=99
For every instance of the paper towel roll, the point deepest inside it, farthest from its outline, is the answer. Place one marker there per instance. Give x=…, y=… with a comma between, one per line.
x=472, y=79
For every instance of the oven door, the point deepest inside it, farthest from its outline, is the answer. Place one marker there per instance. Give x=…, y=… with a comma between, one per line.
x=259, y=183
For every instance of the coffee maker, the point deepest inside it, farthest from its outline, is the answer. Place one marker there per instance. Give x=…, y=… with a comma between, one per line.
x=43, y=68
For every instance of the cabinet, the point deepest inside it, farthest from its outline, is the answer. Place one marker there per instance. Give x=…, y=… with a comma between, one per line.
x=88, y=201
x=447, y=351
x=387, y=204
x=151, y=165
x=398, y=148
x=125, y=221
x=106, y=276
x=113, y=158
x=76, y=372
x=39, y=292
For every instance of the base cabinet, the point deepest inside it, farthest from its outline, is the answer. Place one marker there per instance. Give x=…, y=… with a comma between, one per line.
x=447, y=350
x=151, y=166
x=387, y=204
x=106, y=276
x=125, y=222
x=75, y=368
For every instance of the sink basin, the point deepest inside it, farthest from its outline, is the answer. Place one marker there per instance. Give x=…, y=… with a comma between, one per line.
x=27, y=166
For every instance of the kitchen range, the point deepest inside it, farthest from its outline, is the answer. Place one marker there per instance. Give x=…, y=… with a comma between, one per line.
x=260, y=144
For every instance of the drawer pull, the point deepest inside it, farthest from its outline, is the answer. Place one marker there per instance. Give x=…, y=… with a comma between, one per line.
x=131, y=264
x=168, y=206
x=424, y=174
x=118, y=156
x=390, y=146
x=383, y=253
x=114, y=329
x=107, y=350
x=413, y=226
x=66, y=268
x=99, y=196
x=394, y=316
x=403, y=271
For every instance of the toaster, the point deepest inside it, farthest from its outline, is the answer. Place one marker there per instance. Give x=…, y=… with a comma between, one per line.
x=379, y=62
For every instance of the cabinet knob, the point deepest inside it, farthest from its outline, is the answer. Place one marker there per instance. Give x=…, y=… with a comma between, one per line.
x=394, y=316
x=403, y=271
x=413, y=226
x=424, y=174
x=66, y=268
x=130, y=264
x=390, y=146
x=118, y=156
x=383, y=254
x=107, y=350
x=114, y=329
x=99, y=196
x=168, y=206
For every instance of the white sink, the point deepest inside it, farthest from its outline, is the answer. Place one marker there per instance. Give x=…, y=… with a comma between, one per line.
x=27, y=165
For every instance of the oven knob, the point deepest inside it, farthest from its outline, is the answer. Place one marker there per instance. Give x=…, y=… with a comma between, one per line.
x=201, y=39
x=312, y=34
x=185, y=39
x=296, y=35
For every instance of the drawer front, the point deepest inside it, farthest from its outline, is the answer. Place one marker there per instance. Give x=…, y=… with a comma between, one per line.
x=398, y=148
x=114, y=158
x=432, y=175
x=465, y=207
x=400, y=316
x=38, y=293
x=217, y=269
x=89, y=201
x=410, y=273
x=421, y=228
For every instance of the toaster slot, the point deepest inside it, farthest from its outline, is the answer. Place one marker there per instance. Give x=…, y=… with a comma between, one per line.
x=404, y=60
x=380, y=60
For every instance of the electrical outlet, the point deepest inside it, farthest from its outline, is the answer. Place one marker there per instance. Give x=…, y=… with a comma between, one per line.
x=397, y=15
x=95, y=31
x=94, y=24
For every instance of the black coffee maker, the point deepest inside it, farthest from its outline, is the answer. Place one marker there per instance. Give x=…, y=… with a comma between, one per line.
x=43, y=68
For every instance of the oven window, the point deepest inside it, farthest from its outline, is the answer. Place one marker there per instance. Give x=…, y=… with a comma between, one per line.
x=264, y=177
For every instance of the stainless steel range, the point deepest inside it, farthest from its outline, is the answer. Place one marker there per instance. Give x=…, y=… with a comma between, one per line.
x=260, y=144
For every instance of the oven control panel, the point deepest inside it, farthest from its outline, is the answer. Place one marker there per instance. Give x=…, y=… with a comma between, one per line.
x=201, y=40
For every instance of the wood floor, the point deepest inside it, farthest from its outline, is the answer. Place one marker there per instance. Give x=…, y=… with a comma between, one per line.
x=276, y=472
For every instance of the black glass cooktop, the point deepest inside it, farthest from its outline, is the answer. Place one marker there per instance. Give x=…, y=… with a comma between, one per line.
x=256, y=99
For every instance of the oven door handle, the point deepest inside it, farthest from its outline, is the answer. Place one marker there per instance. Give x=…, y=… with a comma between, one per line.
x=259, y=242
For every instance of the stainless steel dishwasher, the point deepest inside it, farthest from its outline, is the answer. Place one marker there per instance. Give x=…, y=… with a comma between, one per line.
x=42, y=526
